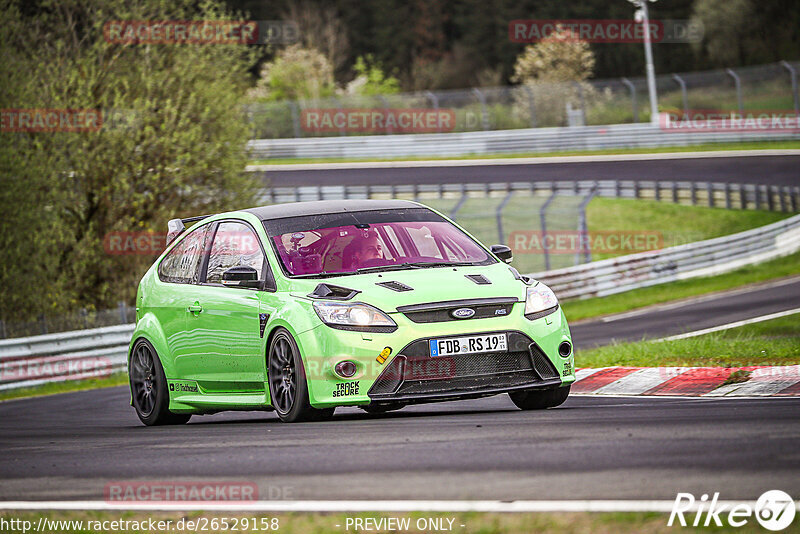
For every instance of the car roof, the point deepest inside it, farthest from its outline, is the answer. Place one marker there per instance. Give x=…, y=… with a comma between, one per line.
x=321, y=207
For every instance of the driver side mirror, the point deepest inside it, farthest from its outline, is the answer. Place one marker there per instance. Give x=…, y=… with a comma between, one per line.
x=502, y=252
x=242, y=276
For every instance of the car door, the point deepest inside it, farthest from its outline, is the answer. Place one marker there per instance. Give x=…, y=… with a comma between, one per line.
x=178, y=273
x=226, y=353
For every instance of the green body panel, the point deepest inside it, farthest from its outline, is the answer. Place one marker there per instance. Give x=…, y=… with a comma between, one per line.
x=216, y=359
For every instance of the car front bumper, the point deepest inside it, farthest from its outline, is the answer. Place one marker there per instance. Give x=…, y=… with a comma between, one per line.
x=410, y=375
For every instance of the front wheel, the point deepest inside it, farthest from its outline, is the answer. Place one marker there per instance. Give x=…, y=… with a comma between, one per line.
x=540, y=400
x=149, y=387
x=288, y=387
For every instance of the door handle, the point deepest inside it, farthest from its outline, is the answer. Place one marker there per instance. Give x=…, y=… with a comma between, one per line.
x=195, y=308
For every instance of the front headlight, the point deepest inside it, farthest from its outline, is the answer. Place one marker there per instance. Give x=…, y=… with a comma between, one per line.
x=355, y=316
x=539, y=301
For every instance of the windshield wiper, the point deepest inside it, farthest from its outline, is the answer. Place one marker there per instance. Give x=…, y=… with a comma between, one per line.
x=324, y=273
x=440, y=263
x=390, y=267
x=415, y=265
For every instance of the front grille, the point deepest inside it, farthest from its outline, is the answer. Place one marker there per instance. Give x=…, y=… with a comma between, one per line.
x=467, y=384
x=438, y=312
x=414, y=373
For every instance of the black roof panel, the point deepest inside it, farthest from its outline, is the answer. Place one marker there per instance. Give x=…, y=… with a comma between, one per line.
x=320, y=207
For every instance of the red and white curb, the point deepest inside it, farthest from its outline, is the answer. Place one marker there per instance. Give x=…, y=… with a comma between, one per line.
x=763, y=381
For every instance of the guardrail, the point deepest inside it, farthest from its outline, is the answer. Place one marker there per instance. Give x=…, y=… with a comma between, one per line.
x=36, y=360
x=703, y=258
x=711, y=194
x=533, y=140
x=81, y=354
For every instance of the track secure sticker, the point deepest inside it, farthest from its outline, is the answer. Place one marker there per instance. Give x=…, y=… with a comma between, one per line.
x=183, y=386
x=567, y=369
x=346, y=389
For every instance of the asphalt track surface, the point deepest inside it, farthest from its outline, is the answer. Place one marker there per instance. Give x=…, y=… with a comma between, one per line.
x=768, y=169
x=69, y=446
x=689, y=315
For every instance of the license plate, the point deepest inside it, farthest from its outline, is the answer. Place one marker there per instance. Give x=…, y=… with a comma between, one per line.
x=468, y=344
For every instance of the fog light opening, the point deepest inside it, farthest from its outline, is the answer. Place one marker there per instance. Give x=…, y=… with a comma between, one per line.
x=345, y=369
x=565, y=349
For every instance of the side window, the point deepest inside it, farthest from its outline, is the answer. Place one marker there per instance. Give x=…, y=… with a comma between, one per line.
x=182, y=264
x=235, y=245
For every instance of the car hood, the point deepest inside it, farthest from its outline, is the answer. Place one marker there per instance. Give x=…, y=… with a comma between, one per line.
x=429, y=284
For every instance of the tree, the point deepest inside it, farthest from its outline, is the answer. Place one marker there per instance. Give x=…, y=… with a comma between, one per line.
x=322, y=30
x=726, y=24
x=552, y=74
x=370, y=79
x=559, y=58
x=172, y=144
x=295, y=73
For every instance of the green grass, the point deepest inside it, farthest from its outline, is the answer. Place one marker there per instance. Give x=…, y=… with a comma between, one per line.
x=670, y=224
x=638, y=298
x=775, y=342
x=474, y=522
x=706, y=147
x=117, y=379
x=676, y=224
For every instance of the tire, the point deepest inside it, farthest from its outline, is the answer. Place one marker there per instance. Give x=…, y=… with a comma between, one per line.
x=149, y=387
x=540, y=400
x=288, y=386
x=375, y=409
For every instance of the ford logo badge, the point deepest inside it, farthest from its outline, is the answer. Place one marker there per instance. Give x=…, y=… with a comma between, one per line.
x=463, y=313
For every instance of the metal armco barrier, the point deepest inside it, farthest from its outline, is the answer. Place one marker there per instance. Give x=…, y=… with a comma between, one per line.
x=720, y=195
x=80, y=354
x=35, y=360
x=703, y=258
x=498, y=142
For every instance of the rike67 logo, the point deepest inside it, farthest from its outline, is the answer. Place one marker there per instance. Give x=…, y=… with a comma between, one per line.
x=774, y=510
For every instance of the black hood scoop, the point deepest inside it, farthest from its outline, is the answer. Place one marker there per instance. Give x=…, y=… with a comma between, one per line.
x=479, y=279
x=395, y=286
x=332, y=292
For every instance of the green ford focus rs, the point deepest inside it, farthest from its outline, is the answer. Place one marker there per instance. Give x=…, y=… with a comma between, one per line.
x=308, y=306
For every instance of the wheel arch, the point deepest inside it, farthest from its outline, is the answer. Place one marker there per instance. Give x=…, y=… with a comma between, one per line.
x=149, y=329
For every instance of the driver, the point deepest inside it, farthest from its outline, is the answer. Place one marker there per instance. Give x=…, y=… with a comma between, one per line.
x=370, y=248
x=363, y=251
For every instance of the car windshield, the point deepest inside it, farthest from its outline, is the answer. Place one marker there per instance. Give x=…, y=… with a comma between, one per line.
x=372, y=241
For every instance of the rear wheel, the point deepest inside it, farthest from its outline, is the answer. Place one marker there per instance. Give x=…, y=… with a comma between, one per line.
x=539, y=400
x=149, y=387
x=288, y=387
